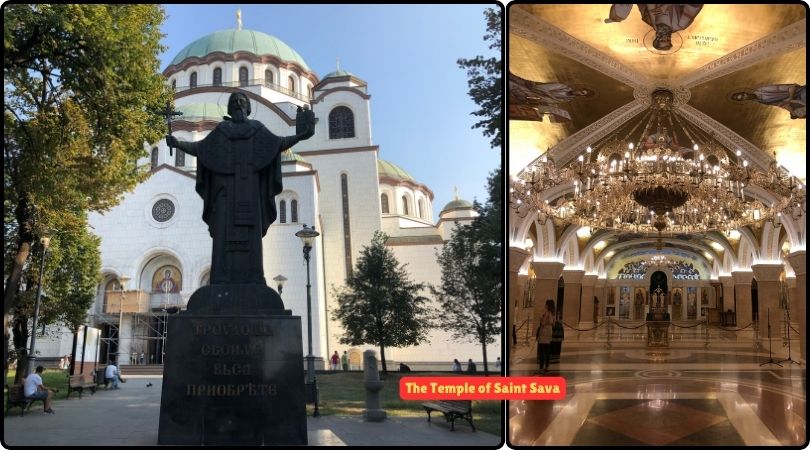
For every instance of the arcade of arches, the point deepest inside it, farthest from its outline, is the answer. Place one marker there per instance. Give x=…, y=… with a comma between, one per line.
x=671, y=337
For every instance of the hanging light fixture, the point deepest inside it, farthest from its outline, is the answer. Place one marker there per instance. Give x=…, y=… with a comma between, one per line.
x=647, y=182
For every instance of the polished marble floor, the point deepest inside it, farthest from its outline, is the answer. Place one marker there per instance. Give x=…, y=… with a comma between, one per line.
x=688, y=394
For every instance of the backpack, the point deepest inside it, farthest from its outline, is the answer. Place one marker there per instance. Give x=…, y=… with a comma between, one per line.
x=557, y=332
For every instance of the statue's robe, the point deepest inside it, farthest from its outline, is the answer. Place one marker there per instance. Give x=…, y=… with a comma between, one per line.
x=238, y=177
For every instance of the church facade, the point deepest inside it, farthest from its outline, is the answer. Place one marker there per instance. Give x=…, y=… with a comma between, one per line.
x=156, y=250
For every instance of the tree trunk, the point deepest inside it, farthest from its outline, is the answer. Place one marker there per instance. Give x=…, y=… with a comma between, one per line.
x=20, y=338
x=484, y=347
x=22, y=214
x=382, y=358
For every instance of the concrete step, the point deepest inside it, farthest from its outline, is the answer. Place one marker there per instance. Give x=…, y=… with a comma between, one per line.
x=142, y=369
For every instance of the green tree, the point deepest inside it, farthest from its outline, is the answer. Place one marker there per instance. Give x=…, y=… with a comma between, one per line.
x=70, y=277
x=80, y=81
x=380, y=305
x=471, y=291
x=485, y=80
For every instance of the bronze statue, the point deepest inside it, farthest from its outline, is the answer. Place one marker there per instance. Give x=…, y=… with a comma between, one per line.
x=238, y=177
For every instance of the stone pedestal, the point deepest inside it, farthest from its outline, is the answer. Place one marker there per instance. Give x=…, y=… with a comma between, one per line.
x=233, y=373
x=768, y=292
x=572, y=296
x=373, y=385
x=547, y=277
x=586, y=308
x=517, y=257
x=798, y=261
x=742, y=293
x=657, y=333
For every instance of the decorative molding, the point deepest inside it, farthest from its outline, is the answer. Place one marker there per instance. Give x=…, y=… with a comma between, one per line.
x=529, y=26
x=353, y=90
x=792, y=37
x=726, y=137
x=213, y=57
x=573, y=145
x=681, y=95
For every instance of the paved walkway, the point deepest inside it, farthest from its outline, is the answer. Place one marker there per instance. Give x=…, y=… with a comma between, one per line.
x=130, y=415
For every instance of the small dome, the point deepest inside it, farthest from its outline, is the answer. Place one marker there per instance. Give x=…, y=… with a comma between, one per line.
x=201, y=111
x=289, y=155
x=387, y=169
x=457, y=204
x=338, y=73
x=232, y=41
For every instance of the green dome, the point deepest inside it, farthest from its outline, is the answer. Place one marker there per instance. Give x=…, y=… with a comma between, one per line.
x=205, y=111
x=289, y=155
x=457, y=203
x=338, y=73
x=385, y=168
x=231, y=41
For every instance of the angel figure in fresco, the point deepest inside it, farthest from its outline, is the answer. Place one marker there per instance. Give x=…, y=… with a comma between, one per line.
x=791, y=97
x=664, y=18
x=530, y=100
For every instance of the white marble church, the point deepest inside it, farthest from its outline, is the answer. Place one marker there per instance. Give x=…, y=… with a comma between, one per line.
x=156, y=244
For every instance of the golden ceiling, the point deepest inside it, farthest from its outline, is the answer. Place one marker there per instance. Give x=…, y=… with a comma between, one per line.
x=571, y=44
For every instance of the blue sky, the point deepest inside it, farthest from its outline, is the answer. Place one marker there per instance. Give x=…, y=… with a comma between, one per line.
x=420, y=110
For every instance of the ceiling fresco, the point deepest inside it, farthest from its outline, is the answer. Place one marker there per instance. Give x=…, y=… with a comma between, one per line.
x=755, y=51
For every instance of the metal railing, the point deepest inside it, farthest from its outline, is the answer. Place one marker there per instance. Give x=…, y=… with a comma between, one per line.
x=247, y=84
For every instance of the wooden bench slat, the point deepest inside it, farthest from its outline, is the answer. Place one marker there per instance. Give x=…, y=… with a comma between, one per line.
x=452, y=409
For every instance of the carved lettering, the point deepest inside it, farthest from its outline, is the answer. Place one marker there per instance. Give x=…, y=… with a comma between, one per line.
x=231, y=369
x=231, y=390
x=231, y=350
x=231, y=329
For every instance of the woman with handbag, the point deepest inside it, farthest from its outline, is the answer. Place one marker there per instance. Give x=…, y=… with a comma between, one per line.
x=543, y=336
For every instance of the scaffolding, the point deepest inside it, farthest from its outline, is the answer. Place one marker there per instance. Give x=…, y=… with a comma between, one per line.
x=148, y=337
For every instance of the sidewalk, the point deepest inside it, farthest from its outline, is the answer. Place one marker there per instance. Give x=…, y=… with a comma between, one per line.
x=130, y=416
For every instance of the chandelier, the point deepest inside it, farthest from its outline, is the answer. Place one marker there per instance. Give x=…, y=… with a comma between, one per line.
x=646, y=181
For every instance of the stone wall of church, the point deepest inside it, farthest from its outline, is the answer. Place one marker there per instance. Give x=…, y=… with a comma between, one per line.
x=362, y=122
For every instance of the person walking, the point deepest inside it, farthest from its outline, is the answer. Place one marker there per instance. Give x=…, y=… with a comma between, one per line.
x=543, y=336
x=335, y=360
x=456, y=366
x=344, y=360
x=111, y=375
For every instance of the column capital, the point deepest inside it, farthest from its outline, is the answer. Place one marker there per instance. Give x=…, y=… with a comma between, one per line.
x=797, y=261
x=726, y=279
x=767, y=272
x=790, y=282
x=573, y=276
x=742, y=277
x=589, y=279
x=601, y=282
x=517, y=256
x=547, y=270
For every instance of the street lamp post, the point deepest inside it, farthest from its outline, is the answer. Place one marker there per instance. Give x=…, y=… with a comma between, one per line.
x=308, y=236
x=31, y=355
x=280, y=279
x=124, y=280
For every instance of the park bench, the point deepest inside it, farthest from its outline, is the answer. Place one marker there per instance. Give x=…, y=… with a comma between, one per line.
x=452, y=410
x=15, y=397
x=80, y=382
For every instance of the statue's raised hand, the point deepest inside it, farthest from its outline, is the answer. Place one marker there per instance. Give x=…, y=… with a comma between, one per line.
x=305, y=122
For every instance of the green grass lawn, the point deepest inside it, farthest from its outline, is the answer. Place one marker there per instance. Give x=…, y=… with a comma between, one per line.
x=342, y=393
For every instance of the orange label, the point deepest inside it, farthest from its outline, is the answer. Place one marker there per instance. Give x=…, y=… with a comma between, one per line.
x=482, y=388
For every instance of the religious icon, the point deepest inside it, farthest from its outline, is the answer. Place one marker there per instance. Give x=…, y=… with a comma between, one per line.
x=530, y=100
x=166, y=280
x=791, y=97
x=691, y=303
x=665, y=19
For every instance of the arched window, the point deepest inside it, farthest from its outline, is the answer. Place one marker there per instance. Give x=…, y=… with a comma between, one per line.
x=341, y=123
x=384, y=203
x=282, y=211
x=311, y=94
x=174, y=84
x=192, y=82
x=291, y=83
x=404, y=205
x=268, y=77
x=154, y=159
x=421, y=209
x=180, y=158
x=243, y=76
x=293, y=211
x=217, y=77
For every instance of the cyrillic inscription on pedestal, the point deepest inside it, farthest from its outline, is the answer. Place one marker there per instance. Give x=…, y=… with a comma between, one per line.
x=231, y=380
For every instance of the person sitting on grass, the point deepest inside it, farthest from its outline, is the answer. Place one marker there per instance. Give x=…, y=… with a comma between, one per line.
x=34, y=389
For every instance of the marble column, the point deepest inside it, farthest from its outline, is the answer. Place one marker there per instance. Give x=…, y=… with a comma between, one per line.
x=714, y=299
x=742, y=292
x=797, y=261
x=517, y=257
x=572, y=298
x=600, y=292
x=546, y=277
x=586, y=307
x=767, y=276
x=518, y=315
x=727, y=281
x=793, y=302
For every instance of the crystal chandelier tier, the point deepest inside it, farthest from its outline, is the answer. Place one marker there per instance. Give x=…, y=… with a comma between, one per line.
x=647, y=182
